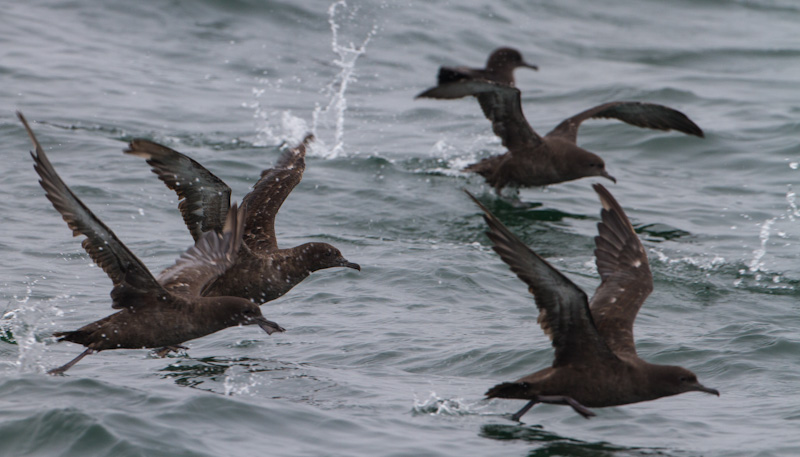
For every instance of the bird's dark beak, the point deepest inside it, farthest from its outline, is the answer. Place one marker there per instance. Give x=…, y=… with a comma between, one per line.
x=352, y=265
x=606, y=175
x=531, y=66
x=267, y=325
x=701, y=388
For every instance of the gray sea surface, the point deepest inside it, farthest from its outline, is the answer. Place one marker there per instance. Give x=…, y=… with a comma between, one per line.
x=394, y=360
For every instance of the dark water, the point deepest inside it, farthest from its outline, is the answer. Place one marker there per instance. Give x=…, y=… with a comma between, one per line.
x=394, y=360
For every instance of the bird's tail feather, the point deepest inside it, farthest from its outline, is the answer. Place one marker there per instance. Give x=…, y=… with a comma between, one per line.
x=76, y=336
x=508, y=390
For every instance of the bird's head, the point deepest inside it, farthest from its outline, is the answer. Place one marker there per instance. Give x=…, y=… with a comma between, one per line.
x=322, y=255
x=584, y=164
x=507, y=58
x=674, y=380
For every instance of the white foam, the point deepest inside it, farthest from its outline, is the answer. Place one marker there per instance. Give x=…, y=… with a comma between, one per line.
x=435, y=405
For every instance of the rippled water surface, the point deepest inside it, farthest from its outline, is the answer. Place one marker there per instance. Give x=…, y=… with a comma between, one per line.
x=394, y=360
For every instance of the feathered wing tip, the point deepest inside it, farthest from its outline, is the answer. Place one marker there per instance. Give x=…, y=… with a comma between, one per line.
x=502, y=238
x=129, y=275
x=639, y=114
x=28, y=129
x=610, y=203
x=309, y=138
x=204, y=198
x=293, y=158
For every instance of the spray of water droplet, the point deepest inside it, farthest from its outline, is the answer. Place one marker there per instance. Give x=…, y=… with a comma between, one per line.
x=435, y=405
x=291, y=129
x=334, y=111
x=23, y=324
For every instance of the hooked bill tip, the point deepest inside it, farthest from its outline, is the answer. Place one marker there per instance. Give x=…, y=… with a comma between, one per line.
x=352, y=265
x=269, y=326
x=701, y=388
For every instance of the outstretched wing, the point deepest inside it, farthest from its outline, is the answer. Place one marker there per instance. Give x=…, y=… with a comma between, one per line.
x=269, y=193
x=453, y=74
x=211, y=256
x=646, y=115
x=563, y=309
x=625, y=274
x=204, y=197
x=501, y=104
x=130, y=277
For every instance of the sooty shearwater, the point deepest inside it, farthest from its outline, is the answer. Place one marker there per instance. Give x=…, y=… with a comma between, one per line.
x=158, y=312
x=262, y=271
x=499, y=68
x=595, y=364
x=532, y=160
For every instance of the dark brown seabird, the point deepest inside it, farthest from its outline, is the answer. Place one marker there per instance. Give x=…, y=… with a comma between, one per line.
x=595, y=364
x=532, y=160
x=499, y=68
x=262, y=271
x=158, y=312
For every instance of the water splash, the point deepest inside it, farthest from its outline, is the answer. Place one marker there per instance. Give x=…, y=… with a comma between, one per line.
x=435, y=405
x=451, y=157
x=757, y=263
x=290, y=128
x=757, y=266
x=20, y=324
x=334, y=111
x=791, y=199
x=705, y=263
x=239, y=380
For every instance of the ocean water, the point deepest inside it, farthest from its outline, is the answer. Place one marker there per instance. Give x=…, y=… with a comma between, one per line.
x=394, y=360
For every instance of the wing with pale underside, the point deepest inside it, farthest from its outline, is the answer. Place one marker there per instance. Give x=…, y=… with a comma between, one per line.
x=563, y=309
x=625, y=274
x=211, y=256
x=501, y=104
x=269, y=193
x=204, y=197
x=645, y=115
x=133, y=283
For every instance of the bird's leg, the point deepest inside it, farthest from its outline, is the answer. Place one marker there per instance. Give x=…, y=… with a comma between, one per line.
x=564, y=400
x=167, y=349
x=68, y=365
x=516, y=417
